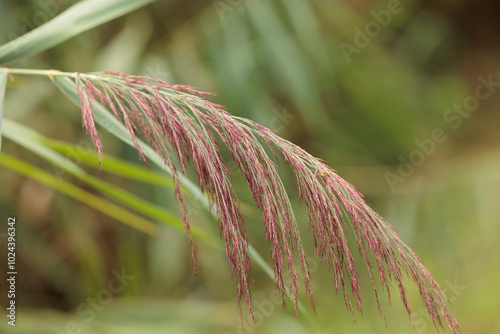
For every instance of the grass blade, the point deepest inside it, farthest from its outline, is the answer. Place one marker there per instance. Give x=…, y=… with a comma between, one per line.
x=32, y=141
x=81, y=17
x=111, y=165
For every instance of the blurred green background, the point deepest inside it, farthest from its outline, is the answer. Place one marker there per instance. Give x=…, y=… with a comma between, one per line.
x=367, y=96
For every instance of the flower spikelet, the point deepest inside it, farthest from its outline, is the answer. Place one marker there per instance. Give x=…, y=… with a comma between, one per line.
x=182, y=125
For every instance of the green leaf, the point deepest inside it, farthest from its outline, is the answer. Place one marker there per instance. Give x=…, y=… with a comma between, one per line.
x=127, y=217
x=3, y=85
x=32, y=141
x=80, y=17
x=112, y=165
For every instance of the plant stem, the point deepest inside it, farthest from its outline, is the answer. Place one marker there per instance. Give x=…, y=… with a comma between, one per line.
x=27, y=71
x=50, y=73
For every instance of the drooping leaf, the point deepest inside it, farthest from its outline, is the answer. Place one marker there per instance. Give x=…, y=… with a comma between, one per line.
x=80, y=17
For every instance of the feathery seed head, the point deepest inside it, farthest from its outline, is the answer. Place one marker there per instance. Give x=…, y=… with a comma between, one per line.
x=177, y=121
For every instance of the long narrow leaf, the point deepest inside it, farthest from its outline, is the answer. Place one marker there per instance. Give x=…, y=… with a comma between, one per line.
x=31, y=140
x=81, y=17
x=3, y=85
x=112, y=165
x=125, y=216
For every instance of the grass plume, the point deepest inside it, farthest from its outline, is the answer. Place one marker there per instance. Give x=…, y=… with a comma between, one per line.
x=178, y=120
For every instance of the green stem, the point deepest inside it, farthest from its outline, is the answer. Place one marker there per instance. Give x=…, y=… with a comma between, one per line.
x=112, y=210
x=51, y=73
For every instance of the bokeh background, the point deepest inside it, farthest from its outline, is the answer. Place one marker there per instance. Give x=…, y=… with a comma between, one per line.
x=369, y=103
